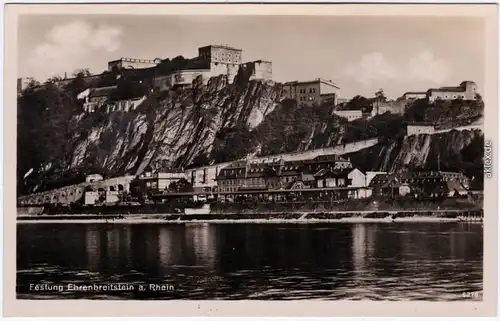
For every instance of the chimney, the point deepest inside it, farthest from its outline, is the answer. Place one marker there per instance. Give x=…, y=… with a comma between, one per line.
x=65, y=75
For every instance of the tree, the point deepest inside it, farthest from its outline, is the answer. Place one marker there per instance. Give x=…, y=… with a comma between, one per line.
x=45, y=128
x=232, y=144
x=53, y=80
x=358, y=103
x=129, y=87
x=84, y=72
x=78, y=84
x=380, y=96
x=181, y=186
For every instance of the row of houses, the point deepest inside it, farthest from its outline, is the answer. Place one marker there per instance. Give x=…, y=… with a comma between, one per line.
x=327, y=172
x=338, y=172
x=421, y=184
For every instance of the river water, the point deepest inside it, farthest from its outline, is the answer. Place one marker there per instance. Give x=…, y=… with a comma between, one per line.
x=379, y=261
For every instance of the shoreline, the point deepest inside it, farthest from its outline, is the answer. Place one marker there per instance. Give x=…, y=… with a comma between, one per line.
x=263, y=218
x=254, y=221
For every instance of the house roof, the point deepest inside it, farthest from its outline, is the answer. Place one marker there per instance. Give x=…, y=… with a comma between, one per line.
x=326, y=172
x=327, y=158
x=253, y=171
x=449, y=186
x=382, y=180
x=297, y=181
x=421, y=123
x=422, y=181
x=220, y=46
x=414, y=93
x=281, y=168
x=465, y=82
x=102, y=91
x=307, y=177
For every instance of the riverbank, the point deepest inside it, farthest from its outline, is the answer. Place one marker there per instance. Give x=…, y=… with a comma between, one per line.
x=296, y=218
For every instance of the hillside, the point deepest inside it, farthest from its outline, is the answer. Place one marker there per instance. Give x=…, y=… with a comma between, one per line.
x=201, y=125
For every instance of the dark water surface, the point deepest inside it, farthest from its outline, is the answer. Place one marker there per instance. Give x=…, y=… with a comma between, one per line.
x=401, y=261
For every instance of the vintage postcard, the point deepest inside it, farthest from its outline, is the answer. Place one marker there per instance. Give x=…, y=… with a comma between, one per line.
x=251, y=160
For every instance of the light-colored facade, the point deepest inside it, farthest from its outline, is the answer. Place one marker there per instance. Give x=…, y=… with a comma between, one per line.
x=222, y=60
x=467, y=90
x=215, y=60
x=23, y=83
x=404, y=189
x=260, y=69
x=79, y=192
x=94, y=178
x=313, y=92
x=167, y=178
x=393, y=107
x=419, y=129
x=132, y=63
x=356, y=178
x=161, y=179
x=221, y=54
x=84, y=94
x=350, y=115
x=91, y=198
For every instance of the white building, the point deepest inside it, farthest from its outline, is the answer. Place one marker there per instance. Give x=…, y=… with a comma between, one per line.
x=419, y=129
x=92, y=178
x=312, y=92
x=350, y=115
x=132, y=63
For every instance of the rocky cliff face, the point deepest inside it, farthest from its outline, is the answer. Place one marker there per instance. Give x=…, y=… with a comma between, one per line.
x=176, y=127
x=451, y=151
x=203, y=124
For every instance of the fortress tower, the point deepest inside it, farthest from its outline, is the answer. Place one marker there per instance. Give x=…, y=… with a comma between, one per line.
x=222, y=59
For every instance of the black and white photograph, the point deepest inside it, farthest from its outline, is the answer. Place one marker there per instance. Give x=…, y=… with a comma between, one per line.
x=263, y=157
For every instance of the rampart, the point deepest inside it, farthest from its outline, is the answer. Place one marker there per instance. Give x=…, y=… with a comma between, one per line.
x=74, y=193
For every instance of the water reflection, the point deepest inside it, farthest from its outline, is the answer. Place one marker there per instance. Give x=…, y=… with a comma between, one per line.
x=268, y=261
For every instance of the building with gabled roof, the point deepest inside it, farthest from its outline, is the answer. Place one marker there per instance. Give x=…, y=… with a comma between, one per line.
x=421, y=183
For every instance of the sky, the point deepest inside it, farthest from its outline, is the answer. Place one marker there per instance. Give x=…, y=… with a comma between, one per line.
x=361, y=54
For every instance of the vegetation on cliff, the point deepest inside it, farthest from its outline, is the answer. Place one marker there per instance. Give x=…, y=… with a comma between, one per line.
x=454, y=151
x=446, y=113
x=216, y=122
